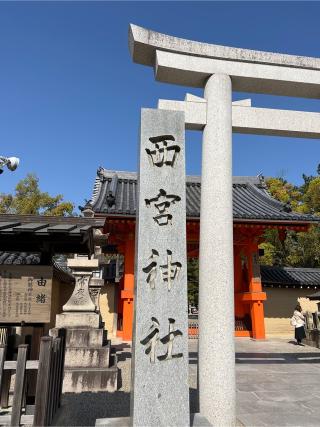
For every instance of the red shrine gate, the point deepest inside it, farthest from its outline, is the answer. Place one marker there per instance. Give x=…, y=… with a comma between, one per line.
x=254, y=210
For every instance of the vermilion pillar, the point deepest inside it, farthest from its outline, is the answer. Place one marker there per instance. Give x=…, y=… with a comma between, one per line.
x=128, y=290
x=256, y=296
x=238, y=282
x=257, y=318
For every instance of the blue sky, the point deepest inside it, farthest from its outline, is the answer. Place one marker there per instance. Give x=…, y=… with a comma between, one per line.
x=70, y=96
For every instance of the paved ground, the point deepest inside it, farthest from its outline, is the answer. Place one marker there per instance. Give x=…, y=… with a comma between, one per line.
x=278, y=384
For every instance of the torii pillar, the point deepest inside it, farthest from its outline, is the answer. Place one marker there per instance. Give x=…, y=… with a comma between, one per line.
x=216, y=289
x=213, y=67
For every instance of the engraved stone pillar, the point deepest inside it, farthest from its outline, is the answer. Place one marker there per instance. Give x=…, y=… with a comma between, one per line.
x=160, y=392
x=95, y=286
x=216, y=293
x=80, y=299
x=79, y=310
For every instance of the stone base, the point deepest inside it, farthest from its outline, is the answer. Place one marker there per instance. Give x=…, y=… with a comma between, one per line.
x=83, y=338
x=196, y=420
x=88, y=364
x=78, y=380
x=79, y=320
x=90, y=357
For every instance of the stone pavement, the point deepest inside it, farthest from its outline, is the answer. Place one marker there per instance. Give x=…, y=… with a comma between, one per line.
x=278, y=384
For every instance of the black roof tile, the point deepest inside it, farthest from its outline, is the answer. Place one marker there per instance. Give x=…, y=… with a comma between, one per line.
x=8, y=258
x=290, y=276
x=115, y=194
x=24, y=258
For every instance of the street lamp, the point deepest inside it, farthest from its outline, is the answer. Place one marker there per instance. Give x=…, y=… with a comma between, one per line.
x=11, y=162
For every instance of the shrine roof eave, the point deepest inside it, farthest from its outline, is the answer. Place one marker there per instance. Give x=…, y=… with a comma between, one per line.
x=275, y=222
x=143, y=44
x=50, y=234
x=115, y=195
x=238, y=221
x=275, y=276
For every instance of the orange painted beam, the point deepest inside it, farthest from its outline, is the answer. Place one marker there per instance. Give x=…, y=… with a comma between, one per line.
x=242, y=333
x=253, y=296
x=128, y=289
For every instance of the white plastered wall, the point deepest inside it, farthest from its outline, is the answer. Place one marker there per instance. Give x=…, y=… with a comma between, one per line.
x=279, y=307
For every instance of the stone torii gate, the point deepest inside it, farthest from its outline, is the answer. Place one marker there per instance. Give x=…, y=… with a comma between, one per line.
x=219, y=70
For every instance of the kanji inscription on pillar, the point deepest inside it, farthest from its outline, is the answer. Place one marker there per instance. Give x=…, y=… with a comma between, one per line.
x=160, y=394
x=25, y=294
x=169, y=271
x=161, y=204
x=164, y=152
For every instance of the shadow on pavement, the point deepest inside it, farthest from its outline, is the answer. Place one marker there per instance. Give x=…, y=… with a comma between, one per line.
x=274, y=358
x=84, y=408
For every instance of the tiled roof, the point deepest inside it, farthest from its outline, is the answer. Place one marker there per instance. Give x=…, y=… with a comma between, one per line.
x=115, y=194
x=33, y=233
x=23, y=258
x=7, y=258
x=290, y=276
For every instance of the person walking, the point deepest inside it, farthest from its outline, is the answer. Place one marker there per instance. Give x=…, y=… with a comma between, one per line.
x=298, y=322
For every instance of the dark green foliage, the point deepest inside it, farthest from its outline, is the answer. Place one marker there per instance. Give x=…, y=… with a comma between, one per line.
x=193, y=281
x=298, y=249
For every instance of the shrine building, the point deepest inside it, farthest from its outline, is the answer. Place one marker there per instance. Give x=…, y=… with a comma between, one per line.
x=254, y=210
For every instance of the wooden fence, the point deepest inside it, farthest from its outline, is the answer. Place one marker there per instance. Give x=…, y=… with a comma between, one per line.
x=49, y=380
x=4, y=333
x=241, y=324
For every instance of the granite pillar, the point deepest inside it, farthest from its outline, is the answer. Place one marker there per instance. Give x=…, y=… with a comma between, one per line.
x=216, y=290
x=160, y=391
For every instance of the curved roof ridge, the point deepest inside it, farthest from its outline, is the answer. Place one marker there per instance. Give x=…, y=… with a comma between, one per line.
x=114, y=195
x=289, y=268
x=96, y=190
x=276, y=203
x=267, y=196
x=237, y=179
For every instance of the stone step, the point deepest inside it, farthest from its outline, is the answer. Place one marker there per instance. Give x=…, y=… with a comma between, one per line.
x=85, y=338
x=77, y=337
x=78, y=380
x=79, y=320
x=80, y=357
x=196, y=420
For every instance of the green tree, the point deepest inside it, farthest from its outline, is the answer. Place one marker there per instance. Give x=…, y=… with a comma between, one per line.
x=29, y=199
x=193, y=281
x=311, y=197
x=285, y=192
x=298, y=249
x=304, y=250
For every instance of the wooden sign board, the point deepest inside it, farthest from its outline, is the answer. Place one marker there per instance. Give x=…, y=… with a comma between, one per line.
x=25, y=293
